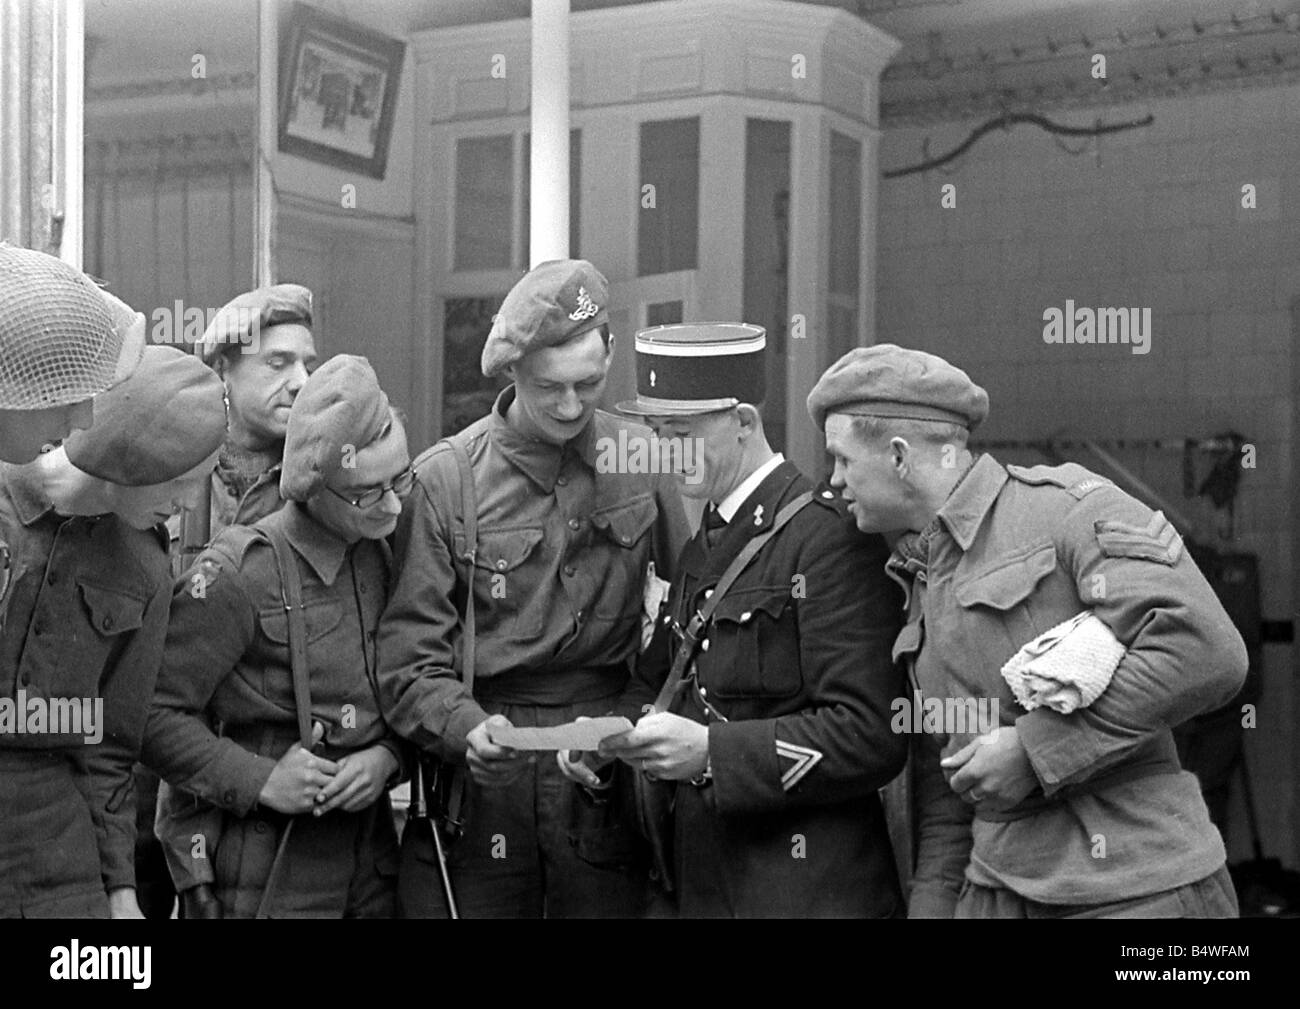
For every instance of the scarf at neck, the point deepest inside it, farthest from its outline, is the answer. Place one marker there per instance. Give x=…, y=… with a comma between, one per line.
x=240, y=468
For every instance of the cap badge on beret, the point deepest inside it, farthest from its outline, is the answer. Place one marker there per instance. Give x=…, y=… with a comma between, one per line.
x=555, y=302
x=586, y=307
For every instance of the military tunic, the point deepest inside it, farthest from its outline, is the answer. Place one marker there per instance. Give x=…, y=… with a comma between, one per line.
x=1012, y=553
x=226, y=664
x=83, y=607
x=794, y=679
x=558, y=585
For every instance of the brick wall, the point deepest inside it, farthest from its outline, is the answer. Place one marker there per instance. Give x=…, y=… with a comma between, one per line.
x=1149, y=218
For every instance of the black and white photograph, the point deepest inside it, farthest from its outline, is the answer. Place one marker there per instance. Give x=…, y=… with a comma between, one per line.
x=770, y=460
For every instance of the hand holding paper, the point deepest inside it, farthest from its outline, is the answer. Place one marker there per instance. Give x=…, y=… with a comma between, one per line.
x=584, y=734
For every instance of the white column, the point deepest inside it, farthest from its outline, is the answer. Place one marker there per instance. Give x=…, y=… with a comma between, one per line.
x=548, y=228
x=69, y=120
x=267, y=139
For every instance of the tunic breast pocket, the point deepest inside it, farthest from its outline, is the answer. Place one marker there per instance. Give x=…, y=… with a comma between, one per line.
x=507, y=580
x=753, y=646
x=322, y=616
x=623, y=528
x=997, y=598
x=111, y=614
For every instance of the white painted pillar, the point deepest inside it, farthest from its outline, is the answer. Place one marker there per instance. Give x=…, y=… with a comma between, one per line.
x=69, y=120
x=267, y=139
x=548, y=227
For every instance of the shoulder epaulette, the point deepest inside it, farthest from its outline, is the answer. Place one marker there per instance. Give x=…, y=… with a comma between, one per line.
x=1074, y=479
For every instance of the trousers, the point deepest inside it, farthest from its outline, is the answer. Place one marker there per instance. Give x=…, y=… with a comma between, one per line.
x=1210, y=897
x=539, y=847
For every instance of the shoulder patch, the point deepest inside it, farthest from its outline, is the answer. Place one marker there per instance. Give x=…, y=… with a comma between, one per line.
x=204, y=575
x=1074, y=479
x=1087, y=485
x=1157, y=541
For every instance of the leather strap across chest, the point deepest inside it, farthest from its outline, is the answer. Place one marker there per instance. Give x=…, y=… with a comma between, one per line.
x=691, y=637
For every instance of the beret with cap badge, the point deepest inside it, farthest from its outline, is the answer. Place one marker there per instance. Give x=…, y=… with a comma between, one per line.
x=550, y=305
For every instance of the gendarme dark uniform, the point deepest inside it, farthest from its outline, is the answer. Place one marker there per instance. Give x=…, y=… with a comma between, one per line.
x=793, y=679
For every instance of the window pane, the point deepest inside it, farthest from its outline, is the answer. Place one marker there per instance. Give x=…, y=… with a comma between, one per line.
x=466, y=394
x=668, y=231
x=846, y=213
x=575, y=195
x=483, y=205
x=767, y=244
x=663, y=313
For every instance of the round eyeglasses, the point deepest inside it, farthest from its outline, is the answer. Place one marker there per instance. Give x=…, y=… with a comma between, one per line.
x=401, y=486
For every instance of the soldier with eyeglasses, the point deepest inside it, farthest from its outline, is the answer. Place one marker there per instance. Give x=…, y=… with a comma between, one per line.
x=227, y=663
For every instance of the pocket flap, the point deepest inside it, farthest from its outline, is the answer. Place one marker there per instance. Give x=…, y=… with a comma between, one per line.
x=502, y=550
x=741, y=605
x=1009, y=582
x=111, y=610
x=322, y=617
x=625, y=524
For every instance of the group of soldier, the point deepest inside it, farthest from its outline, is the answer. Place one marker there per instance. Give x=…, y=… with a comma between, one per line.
x=353, y=619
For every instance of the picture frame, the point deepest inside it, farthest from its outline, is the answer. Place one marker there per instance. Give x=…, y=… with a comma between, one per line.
x=338, y=91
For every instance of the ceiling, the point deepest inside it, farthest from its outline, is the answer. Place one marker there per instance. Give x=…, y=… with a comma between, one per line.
x=950, y=46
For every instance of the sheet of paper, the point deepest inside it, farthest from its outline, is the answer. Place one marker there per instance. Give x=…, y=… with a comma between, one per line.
x=584, y=735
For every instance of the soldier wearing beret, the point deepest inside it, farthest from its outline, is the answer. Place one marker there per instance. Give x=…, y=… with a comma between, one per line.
x=260, y=344
x=227, y=662
x=1075, y=813
x=562, y=555
x=778, y=737
x=62, y=342
x=83, y=612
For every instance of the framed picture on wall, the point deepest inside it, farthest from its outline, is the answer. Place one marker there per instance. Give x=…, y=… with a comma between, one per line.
x=338, y=91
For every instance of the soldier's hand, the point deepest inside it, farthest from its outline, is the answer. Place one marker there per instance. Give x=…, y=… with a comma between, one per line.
x=490, y=765
x=662, y=745
x=992, y=769
x=360, y=781
x=295, y=781
x=580, y=766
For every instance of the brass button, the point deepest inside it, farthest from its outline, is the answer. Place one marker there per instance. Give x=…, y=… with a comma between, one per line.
x=106, y=623
x=501, y=564
x=704, y=645
x=574, y=524
x=570, y=570
x=562, y=481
